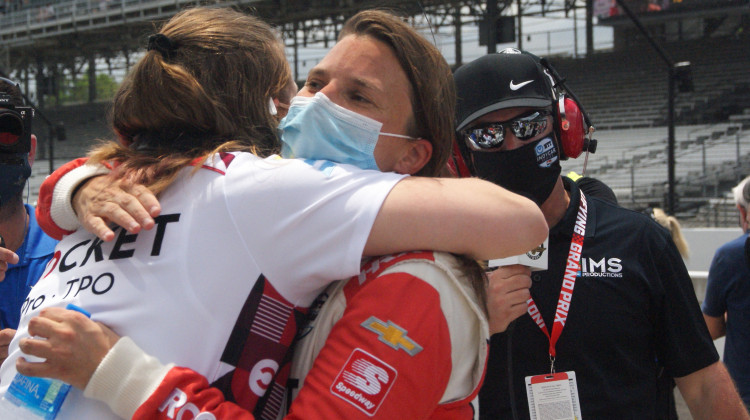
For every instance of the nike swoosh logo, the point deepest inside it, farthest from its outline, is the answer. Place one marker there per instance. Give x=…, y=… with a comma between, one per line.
x=514, y=86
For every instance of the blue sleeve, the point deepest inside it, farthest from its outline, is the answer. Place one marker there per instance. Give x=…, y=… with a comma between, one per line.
x=719, y=278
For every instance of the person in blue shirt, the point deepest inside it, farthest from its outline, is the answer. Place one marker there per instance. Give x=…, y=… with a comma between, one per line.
x=726, y=307
x=24, y=249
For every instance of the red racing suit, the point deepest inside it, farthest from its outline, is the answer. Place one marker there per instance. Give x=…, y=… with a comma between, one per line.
x=404, y=339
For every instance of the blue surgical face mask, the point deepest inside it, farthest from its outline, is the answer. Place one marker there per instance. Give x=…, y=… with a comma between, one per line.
x=316, y=128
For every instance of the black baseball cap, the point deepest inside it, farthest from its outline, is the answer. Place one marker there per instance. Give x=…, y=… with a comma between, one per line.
x=508, y=79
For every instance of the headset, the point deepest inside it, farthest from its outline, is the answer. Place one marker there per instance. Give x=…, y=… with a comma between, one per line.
x=572, y=125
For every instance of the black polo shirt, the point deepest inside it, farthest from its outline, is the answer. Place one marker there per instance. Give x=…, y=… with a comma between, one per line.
x=633, y=312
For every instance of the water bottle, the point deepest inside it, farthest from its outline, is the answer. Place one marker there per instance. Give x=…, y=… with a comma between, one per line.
x=40, y=397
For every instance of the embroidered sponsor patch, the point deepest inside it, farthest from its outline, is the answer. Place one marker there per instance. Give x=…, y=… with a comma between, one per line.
x=364, y=381
x=546, y=154
x=392, y=335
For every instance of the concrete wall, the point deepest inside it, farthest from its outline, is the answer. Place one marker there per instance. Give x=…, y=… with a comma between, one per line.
x=703, y=243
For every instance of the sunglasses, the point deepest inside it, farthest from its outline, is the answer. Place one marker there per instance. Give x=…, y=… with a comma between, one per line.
x=490, y=136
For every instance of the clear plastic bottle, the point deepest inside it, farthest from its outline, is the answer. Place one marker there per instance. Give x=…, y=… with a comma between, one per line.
x=39, y=397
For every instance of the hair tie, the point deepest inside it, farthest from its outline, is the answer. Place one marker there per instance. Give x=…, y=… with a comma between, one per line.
x=163, y=44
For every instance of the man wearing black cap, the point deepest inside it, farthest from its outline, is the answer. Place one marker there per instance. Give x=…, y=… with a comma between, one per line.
x=24, y=248
x=615, y=306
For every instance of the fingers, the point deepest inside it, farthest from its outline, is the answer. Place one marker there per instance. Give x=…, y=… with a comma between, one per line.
x=71, y=344
x=6, y=257
x=499, y=320
x=507, y=294
x=148, y=200
x=6, y=336
x=508, y=271
x=106, y=199
x=124, y=206
x=83, y=205
x=54, y=320
x=27, y=368
x=37, y=347
x=98, y=227
x=512, y=298
x=43, y=325
x=508, y=279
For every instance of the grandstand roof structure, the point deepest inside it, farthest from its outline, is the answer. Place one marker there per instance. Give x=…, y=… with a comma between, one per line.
x=42, y=39
x=74, y=28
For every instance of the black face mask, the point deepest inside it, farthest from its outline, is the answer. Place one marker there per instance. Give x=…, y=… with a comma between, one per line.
x=531, y=170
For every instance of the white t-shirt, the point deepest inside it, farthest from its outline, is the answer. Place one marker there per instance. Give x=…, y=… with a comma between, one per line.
x=242, y=241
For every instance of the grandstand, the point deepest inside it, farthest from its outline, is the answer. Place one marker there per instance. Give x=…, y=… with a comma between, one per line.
x=627, y=88
x=624, y=89
x=625, y=93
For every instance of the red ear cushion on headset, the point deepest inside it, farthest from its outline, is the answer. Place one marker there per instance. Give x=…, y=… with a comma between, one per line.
x=572, y=130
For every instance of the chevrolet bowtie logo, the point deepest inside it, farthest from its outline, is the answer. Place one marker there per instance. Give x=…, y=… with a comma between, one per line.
x=392, y=335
